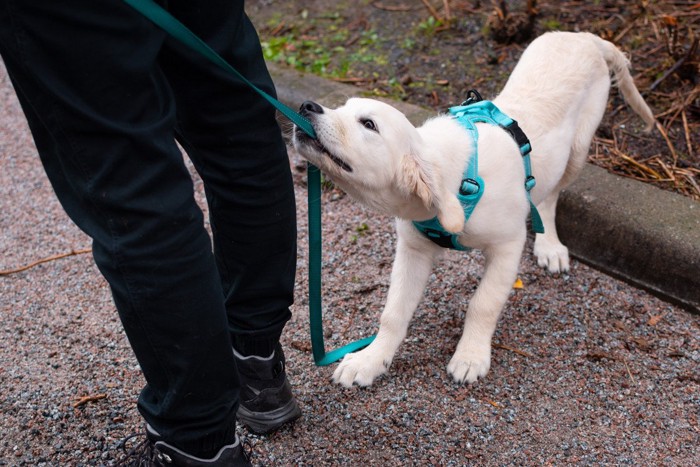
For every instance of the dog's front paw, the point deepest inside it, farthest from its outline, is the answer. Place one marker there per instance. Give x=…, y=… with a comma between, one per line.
x=470, y=364
x=361, y=368
x=551, y=255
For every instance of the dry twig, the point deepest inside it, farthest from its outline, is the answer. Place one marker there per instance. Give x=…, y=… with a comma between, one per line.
x=91, y=398
x=629, y=373
x=684, y=117
x=663, y=132
x=402, y=7
x=512, y=349
x=44, y=260
x=432, y=10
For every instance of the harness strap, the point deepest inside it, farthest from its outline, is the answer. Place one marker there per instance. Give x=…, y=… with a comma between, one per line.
x=470, y=192
x=487, y=112
x=472, y=111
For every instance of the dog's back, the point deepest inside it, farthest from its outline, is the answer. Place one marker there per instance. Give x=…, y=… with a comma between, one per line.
x=559, y=71
x=558, y=93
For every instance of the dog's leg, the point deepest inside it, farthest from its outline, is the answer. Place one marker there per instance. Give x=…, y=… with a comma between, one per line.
x=549, y=250
x=472, y=358
x=409, y=276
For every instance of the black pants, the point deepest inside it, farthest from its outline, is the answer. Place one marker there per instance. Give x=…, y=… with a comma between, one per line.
x=106, y=95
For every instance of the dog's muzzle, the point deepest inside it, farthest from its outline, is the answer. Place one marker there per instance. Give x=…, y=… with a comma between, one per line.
x=310, y=110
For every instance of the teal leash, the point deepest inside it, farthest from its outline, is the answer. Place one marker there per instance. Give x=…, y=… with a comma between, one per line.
x=315, y=315
x=179, y=31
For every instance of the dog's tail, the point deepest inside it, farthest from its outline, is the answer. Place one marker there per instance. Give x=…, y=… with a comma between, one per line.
x=619, y=66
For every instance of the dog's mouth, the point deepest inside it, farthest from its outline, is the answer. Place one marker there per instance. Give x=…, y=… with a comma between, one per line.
x=316, y=144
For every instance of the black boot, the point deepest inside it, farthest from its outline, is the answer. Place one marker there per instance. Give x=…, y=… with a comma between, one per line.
x=152, y=451
x=266, y=401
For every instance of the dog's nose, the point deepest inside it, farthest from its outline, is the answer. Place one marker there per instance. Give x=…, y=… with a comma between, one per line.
x=310, y=107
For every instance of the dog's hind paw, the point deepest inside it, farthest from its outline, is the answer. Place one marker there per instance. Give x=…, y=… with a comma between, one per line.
x=553, y=256
x=360, y=368
x=469, y=365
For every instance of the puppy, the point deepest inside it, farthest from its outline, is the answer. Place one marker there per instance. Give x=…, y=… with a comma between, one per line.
x=557, y=93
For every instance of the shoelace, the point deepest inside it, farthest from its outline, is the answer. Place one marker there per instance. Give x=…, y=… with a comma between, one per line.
x=247, y=449
x=142, y=454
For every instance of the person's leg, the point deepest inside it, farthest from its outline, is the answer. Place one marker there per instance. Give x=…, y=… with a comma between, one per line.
x=102, y=115
x=233, y=138
x=231, y=134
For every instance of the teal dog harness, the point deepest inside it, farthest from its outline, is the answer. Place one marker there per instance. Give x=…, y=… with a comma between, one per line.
x=475, y=110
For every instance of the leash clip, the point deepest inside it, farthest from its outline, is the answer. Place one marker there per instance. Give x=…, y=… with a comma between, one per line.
x=473, y=97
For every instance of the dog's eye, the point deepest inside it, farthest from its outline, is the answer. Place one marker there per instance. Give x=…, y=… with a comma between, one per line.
x=369, y=124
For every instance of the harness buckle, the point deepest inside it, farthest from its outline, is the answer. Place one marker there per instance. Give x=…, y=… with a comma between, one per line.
x=530, y=183
x=519, y=136
x=439, y=238
x=469, y=186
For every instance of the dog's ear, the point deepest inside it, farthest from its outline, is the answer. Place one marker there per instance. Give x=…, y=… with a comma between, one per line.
x=451, y=213
x=415, y=180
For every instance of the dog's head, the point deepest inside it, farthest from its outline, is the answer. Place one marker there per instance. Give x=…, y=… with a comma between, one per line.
x=375, y=154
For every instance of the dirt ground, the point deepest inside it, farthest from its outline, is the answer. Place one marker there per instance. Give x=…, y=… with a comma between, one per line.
x=586, y=370
x=432, y=52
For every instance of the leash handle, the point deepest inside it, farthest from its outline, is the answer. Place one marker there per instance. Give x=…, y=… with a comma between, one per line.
x=179, y=31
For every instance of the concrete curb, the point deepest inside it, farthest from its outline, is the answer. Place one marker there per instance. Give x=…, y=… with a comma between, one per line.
x=628, y=229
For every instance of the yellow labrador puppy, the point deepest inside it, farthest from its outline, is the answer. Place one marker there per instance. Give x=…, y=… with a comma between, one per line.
x=557, y=93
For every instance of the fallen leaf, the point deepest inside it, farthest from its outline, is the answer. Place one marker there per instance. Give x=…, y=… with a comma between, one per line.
x=643, y=344
x=669, y=20
x=597, y=356
x=518, y=284
x=302, y=346
x=495, y=404
x=654, y=320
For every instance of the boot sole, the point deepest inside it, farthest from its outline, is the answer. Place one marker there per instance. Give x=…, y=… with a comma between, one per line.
x=266, y=422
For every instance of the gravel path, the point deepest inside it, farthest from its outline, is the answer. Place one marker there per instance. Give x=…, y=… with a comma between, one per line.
x=586, y=370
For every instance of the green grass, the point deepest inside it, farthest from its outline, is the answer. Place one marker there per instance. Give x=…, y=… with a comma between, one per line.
x=318, y=45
